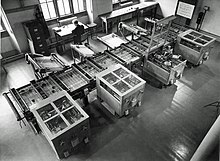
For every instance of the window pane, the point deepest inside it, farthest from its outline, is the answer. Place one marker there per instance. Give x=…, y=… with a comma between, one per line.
x=75, y=6
x=45, y=11
x=67, y=6
x=52, y=10
x=64, y=7
x=42, y=1
x=81, y=5
x=60, y=7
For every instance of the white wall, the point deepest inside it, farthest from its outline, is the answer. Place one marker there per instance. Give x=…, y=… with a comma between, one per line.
x=6, y=45
x=211, y=21
x=168, y=7
x=16, y=20
x=98, y=7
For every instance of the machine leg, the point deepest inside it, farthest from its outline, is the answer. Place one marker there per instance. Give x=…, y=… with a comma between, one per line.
x=85, y=100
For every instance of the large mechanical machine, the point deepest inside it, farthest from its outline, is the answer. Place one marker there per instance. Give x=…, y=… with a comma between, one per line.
x=129, y=56
x=63, y=122
x=165, y=66
x=43, y=65
x=27, y=96
x=194, y=46
x=90, y=68
x=105, y=60
x=119, y=89
x=49, y=109
x=74, y=80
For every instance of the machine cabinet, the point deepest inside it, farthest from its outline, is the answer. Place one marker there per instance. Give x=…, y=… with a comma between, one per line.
x=119, y=89
x=63, y=122
x=164, y=66
x=194, y=46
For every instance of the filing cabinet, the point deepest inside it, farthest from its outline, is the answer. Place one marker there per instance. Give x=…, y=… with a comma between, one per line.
x=35, y=33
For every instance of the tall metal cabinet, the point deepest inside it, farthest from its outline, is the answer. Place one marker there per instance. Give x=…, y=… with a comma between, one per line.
x=35, y=33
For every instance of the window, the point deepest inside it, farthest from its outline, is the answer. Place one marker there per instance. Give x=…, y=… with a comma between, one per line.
x=64, y=7
x=48, y=9
x=79, y=5
x=58, y=8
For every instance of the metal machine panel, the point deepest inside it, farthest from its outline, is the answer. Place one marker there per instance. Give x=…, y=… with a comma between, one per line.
x=105, y=60
x=143, y=50
x=63, y=122
x=195, y=47
x=71, y=79
x=145, y=41
x=127, y=55
x=46, y=86
x=89, y=68
x=120, y=89
x=26, y=97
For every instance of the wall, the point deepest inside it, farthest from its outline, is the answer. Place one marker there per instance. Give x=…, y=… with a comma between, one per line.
x=6, y=45
x=16, y=19
x=16, y=15
x=168, y=7
x=211, y=21
x=98, y=7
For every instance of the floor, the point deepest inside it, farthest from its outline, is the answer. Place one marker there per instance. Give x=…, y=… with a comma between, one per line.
x=169, y=125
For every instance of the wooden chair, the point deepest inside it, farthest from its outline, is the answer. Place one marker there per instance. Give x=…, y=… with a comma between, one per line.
x=85, y=37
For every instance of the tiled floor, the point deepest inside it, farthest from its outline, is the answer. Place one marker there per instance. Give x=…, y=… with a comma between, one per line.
x=169, y=125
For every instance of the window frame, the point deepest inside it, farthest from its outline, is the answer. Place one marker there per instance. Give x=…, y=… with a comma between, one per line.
x=58, y=16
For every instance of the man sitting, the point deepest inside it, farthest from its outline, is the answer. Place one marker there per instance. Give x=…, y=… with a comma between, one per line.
x=77, y=32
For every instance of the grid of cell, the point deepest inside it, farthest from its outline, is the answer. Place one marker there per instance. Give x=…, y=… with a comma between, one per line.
x=72, y=79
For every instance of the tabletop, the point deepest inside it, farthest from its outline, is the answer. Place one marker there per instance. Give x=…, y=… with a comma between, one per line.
x=67, y=29
x=112, y=40
x=127, y=10
x=83, y=50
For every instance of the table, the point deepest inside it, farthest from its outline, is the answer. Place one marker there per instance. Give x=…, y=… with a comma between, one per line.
x=82, y=50
x=123, y=11
x=63, y=32
x=112, y=40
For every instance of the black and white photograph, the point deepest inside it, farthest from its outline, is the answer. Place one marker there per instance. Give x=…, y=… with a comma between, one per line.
x=110, y=80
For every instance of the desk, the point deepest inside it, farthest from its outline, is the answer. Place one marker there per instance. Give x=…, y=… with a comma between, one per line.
x=123, y=11
x=63, y=32
x=112, y=40
x=82, y=50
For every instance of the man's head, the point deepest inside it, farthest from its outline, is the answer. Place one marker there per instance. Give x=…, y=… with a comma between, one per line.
x=76, y=23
